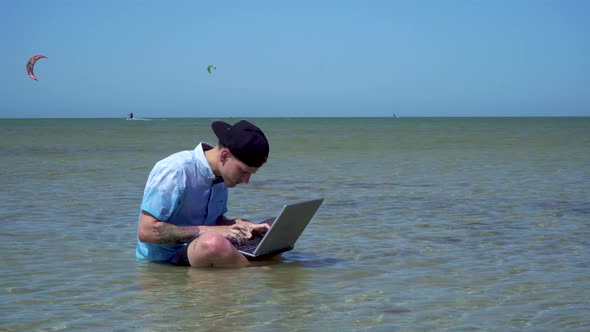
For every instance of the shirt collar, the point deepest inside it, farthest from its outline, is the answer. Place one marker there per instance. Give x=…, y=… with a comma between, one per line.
x=203, y=165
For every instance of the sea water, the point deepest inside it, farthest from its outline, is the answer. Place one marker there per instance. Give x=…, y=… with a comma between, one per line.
x=446, y=224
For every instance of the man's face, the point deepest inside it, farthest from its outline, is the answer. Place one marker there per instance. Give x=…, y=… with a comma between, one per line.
x=234, y=171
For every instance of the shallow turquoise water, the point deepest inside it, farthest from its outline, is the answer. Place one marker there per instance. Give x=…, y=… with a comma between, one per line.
x=450, y=224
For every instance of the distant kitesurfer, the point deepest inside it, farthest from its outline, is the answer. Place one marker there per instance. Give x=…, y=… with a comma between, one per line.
x=130, y=116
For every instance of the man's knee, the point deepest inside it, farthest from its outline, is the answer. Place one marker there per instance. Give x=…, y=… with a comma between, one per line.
x=212, y=242
x=212, y=249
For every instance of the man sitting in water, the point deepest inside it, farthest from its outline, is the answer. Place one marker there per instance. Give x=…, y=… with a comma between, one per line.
x=182, y=217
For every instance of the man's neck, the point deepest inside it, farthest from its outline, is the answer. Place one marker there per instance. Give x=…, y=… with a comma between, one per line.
x=212, y=156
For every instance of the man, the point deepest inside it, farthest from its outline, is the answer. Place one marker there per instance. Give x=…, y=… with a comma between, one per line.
x=182, y=217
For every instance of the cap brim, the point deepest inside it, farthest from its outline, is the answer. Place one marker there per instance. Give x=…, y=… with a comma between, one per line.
x=220, y=129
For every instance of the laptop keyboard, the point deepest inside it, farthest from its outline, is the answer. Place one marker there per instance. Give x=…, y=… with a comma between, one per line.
x=248, y=246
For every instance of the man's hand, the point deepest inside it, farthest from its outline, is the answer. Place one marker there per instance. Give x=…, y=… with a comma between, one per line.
x=237, y=232
x=252, y=228
x=240, y=230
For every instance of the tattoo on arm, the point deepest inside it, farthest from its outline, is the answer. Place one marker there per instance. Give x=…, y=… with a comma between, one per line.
x=168, y=233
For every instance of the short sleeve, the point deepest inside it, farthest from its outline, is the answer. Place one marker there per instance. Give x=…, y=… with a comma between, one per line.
x=163, y=192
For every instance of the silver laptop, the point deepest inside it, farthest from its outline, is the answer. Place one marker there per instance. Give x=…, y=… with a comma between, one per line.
x=284, y=231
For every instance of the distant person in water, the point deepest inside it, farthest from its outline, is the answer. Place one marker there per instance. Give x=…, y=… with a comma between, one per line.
x=182, y=217
x=130, y=116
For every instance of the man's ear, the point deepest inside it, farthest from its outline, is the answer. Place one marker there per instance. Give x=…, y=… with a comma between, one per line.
x=223, y=156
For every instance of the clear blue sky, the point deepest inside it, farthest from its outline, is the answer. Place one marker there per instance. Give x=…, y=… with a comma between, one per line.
x=295, y=58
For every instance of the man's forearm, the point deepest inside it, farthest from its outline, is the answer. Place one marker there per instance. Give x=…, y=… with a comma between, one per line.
x=168, y=233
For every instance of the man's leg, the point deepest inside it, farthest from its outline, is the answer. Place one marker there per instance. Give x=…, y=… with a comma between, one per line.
x=212, y=249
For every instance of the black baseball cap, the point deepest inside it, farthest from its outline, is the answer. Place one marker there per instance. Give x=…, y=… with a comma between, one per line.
x=244, y=140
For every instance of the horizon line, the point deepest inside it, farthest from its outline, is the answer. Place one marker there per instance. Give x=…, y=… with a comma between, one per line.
x=306, y=117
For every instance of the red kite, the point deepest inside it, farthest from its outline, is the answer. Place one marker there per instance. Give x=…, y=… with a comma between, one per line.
x=31, y=65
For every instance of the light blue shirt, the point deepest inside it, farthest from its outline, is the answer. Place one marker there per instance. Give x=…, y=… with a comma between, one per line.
x=181, y=190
